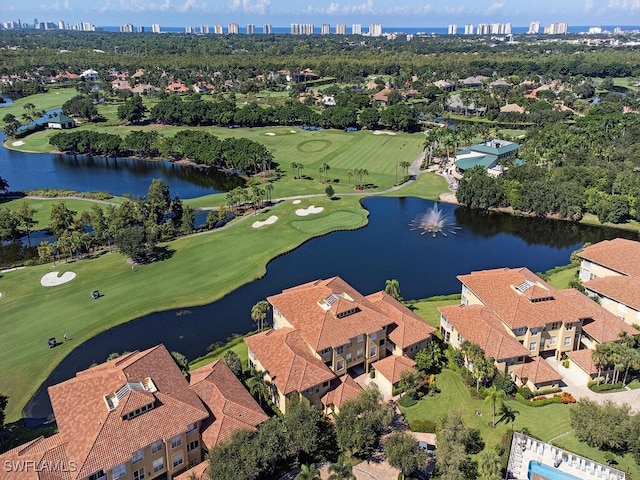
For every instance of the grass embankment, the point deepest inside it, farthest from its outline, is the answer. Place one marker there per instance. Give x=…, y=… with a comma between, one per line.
x=54, y=98
x=202, y=269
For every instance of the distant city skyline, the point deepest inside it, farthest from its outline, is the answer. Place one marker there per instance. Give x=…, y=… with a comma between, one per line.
x=399, y=13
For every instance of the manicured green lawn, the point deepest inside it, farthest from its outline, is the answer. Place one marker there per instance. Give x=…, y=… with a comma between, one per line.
x=427, y=309
x=428, y=186
x=236, y=345
x=54, y=98
x=202, y=269
x=544, y=422
x=561, y=277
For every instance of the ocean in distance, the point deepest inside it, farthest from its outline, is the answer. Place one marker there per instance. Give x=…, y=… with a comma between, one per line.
x=404, y=30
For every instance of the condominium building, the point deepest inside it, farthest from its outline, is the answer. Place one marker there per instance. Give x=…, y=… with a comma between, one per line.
x=155, y=28
x=325, y=29
x=557, y=28
x=375, y=30
x=452, y=29
x=356, y=29
x=534, y=28
x=251, y=29
x=468, y=29
x=189, y=30
x=341, y=29
x=204, y=29
x=483, y=29
x=127, y=28
x=266, y=29
x=218, y=29
x=234, y=28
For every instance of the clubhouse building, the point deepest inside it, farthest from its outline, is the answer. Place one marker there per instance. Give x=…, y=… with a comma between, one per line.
x=486, y=154
x=135, y=417
x=325, y=333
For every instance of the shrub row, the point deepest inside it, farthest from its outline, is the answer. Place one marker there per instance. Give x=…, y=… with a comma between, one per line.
x=541, y=402
x=604, y=387
x=547, y=391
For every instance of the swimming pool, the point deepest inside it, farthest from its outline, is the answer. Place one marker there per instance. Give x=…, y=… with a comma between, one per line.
x=548, y=472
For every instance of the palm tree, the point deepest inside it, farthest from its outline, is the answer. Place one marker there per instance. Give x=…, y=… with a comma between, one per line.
x=341, y=471
x=392, y=287
x=600, y=356
x=259, y=313
x=493, y=395
x=405, y=168
x=294, y=167
x=350, y=175
x=324, y=170
x=258, y=387
x=489, y=465
x=268, y=188
x=308, y=472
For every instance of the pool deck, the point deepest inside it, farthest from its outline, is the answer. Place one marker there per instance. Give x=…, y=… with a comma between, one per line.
x=525, y=449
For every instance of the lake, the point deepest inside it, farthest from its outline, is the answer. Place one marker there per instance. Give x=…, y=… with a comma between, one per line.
x=385, y=249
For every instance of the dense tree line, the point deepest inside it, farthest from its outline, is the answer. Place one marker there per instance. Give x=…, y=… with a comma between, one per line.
x=239, y=154
x=570, y=170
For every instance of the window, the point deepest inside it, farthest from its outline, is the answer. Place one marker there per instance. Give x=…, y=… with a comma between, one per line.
x=555, y=326
x=156, y=446
x=567, y=341
x=373, y=352
x=569, y=326
x=521, y=331
x=533, y=346
x=360, y=353
x=193, y=446
x=96, y=476
x=339, y=365
x=318, y=389
x=374, y=336
x=137, y=456
x=176, y=441
x=360, y=338
x=348, y=357
x=138, y=474
x=552, y=341
x=339, y=350
x=459, y=338
x=158, y=464
x=381, y=341
x=534, y=331
x=192, y=427
x=119, y=471
x=177, y=460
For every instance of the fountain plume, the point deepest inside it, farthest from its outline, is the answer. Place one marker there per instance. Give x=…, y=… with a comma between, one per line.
x=434, y=221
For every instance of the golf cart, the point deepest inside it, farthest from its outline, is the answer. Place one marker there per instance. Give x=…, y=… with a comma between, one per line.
x=95, y=294
x=52, y=342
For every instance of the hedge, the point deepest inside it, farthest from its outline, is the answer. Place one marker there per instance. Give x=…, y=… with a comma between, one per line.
x=604, y=387
x=547, y=391
x=537, y=403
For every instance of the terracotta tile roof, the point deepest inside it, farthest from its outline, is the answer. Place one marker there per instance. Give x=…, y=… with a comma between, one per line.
x=619, y=254
x=382, y=95
x=622, y=289
x=393, y=366
x=320, y=327
x=288, y=359
x=520, y=298
x=199, y=472
x=408, y=328
x=479, y=325
x=98, y=438
x=231, y=405
x=537, y=370
x=601, y=325
x=41, y=459
x=583, y=359
x=342, y=389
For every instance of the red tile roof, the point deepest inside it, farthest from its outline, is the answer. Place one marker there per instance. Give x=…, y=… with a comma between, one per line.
x=520, y=298
x=199, y=472
x=393, y=366
x=583, y=359
x=408, y=328
x=537, y=370
x=601, y=325
x=342, y=389
x=289, y=360
x=40, y=459
x=479, y=325
x=231, y=405
x=619, y=254
x=622, y=289
x=316, y=308
x=98, y=438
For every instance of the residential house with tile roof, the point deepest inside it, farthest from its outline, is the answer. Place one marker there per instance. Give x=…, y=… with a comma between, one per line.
x=326, y=328
x=133, y=418
x=389, y=370
x=610, y=272
x=516, y=317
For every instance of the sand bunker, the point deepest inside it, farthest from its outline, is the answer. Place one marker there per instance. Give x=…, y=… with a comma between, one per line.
x=18, y=143
x=292, y=131
x=270, y=134
x=297, y=202
x=268, y=221
x=52, y=279
x=303, y=212
x=383, y=132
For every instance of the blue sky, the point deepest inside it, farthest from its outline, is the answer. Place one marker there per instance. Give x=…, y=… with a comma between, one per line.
x=409, y=13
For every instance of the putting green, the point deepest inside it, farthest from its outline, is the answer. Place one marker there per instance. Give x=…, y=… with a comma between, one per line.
x=316, y=225
x=313, y=146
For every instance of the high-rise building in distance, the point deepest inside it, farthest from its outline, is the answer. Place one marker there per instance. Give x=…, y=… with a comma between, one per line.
x=375, y=29
x=341, y=29
x=127, y=28
x=204, y=29
x=218, y=29
x=251, y=29
x=468, y=29
x=557, y=28
x=233, y=28
x=483, y=29
x=266, y=28
x=453, y=29
x=534, y=28
x=356, y=29
x=325, y=29
x=295, y=29
x=155, y=28
x=61, y=25
x=189, y=30
x=140, y=29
